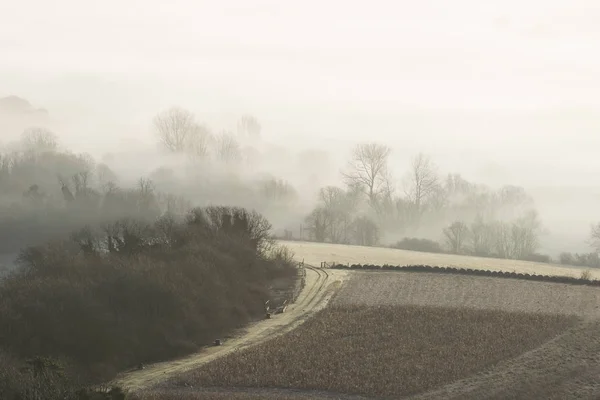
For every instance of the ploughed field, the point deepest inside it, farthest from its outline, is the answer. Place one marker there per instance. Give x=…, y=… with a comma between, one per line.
x=421, y=336
x=315, y=253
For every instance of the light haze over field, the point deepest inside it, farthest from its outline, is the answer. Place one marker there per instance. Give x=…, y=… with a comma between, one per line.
x=502, y=92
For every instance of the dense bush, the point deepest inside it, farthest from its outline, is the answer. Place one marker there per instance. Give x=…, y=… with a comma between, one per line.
x=136, y=292
x=537, y=257
x=35, y=378
x=590, y=260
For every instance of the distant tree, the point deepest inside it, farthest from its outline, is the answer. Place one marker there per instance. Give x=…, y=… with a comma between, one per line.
x=566, y=258
x=525, y=235
x=248, y=127
x=482, y=237
x=105, y=175
x=277, y=190
x=39, y=139
x=317, y=224
x=368, y=169
x=338, y=213
x=200, y=141
x=503, y=244
x=457, y=185
x=365, y=231
x=456, y=236
x=422, y=182
x=175, y=128
x=595, y=236
x=228, y=149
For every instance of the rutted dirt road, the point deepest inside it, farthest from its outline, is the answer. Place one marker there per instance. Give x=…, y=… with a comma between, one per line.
x=320, y=286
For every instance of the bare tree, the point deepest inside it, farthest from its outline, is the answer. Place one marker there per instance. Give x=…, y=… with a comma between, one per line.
x=456, y=236
x=175, y=128
x=228, y=149
x=525, y=235
x=368, y=168
x=105, y=175
x=39, y=139
x=366, y=231
x=482, y=237
x=248, y=127
x=277, y=190
x=199, y=141
x=595, y=237
x=502, y=239
x=316, y=224
x=67, y=194
x=423, y=182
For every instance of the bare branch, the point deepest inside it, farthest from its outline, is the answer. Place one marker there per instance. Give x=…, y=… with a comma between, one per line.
x=248, y=127
x=368, y=169
x=422, y=181
x=175, y=128
x=228, y=149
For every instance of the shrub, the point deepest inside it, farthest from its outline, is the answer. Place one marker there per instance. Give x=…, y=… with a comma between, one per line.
x=161, y=291
x=586, y=275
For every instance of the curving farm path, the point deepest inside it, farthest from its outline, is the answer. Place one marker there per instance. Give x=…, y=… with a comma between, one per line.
x=320, y=286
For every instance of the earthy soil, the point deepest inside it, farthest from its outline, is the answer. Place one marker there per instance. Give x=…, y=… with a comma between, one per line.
x=463, y=291
x=528, y=340
x=383, y=351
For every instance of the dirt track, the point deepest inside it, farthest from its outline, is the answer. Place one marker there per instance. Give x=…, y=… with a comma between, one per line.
x=319, y=288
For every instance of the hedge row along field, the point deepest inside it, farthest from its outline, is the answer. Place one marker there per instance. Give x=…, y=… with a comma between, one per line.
x=466, y=271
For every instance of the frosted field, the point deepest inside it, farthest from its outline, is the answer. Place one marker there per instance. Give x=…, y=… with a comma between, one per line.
x=315, y=253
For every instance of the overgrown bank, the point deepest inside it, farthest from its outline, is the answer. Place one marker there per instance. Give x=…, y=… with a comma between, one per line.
x=106, y=300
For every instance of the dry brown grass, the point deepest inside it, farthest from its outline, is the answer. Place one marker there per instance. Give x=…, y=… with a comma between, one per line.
x=315, y=253
x=388, y=351
x=464, y=291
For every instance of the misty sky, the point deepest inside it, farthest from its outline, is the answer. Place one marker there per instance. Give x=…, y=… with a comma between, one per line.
x=490, y=81
x=504, y=91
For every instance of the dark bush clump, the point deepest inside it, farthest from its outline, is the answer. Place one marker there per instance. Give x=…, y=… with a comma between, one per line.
x=136, y=293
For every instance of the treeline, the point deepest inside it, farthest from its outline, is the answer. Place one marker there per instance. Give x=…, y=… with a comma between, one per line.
x=432, y=211
x=112, y=274
x=105, y=300
x=46, y=191
x=372, y=207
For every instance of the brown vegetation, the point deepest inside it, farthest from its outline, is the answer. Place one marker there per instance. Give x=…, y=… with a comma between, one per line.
x=196, y=393
x=382, y=351
x=110, y=299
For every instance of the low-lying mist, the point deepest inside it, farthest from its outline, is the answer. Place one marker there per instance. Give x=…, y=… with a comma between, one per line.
x=358, y=192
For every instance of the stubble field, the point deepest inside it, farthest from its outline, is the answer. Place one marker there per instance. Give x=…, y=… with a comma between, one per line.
x=384, y=351
x=421, y=336
x=418, y=335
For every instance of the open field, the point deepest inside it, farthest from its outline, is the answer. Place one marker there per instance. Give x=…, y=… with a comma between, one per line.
x=421, y=336
x=384, y=288
x=315, y=253
x=388, y=351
